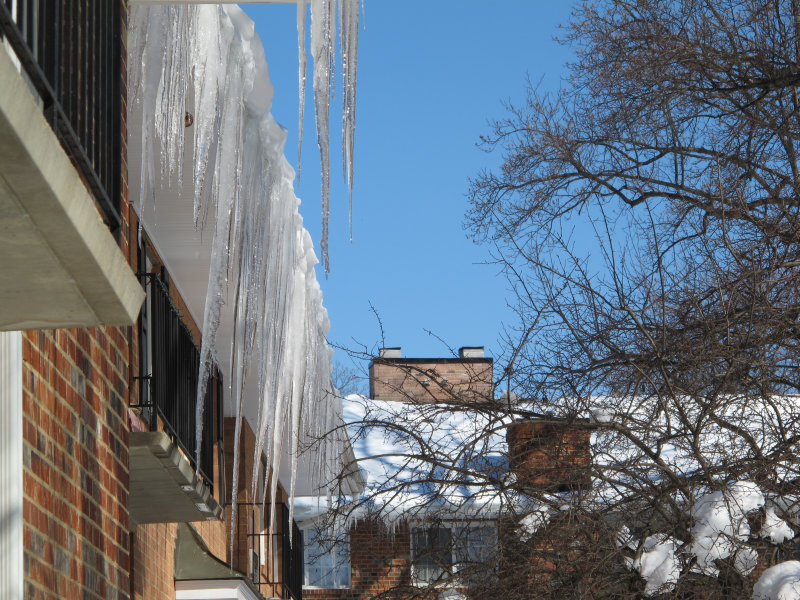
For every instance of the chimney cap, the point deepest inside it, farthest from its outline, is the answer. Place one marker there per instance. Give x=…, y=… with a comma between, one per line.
x=396, y=352
x=471, y=352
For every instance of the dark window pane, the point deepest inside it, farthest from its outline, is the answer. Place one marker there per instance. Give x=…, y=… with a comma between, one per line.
x=432, y=555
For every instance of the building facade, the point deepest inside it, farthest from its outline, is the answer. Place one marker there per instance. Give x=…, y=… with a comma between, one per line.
x=404, y=547
x=113, y=485
x=442, y=516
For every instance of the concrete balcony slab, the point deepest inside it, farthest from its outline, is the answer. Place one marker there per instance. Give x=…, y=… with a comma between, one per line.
x=164, y=486
x=61, y=265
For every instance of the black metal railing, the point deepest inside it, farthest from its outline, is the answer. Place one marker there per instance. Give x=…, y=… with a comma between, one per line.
x=293, y=558
x=289, y=586
x=71, y=52
x=169, y=371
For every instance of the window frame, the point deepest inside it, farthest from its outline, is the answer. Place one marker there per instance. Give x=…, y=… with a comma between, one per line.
x=336, y=551
x=456, y=530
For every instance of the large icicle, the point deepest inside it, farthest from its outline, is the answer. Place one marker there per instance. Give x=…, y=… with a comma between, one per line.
x=322, y=24
x=302, y=68
x=348, y=42
x=261, y=282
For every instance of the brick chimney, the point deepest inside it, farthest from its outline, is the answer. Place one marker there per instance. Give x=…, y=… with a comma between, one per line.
x=550, y=455
x=463, y=380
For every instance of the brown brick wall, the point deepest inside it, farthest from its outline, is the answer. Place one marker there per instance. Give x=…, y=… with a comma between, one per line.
x=422, y=380
x=380, y=559
x=75, y=465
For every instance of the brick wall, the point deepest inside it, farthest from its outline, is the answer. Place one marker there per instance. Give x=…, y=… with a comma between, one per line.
x=550, y=456
x=380, y=560
x=154, y=561
x=75, y=450
x=455, y=380
x=75, y=463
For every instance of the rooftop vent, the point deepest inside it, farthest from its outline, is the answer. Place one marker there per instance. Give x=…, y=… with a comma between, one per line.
x=391, y=352
x=471, y=352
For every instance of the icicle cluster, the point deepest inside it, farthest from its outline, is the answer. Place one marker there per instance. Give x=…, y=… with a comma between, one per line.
x=323, y=27
x=262, y=260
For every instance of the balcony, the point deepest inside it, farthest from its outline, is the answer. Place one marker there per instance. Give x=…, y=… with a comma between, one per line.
x=168, y=485
x=60, y=166
x=285, y=582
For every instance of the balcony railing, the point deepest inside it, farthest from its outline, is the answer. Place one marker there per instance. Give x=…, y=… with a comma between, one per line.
x=70, y=51
x=289, y=586
x=169, y=370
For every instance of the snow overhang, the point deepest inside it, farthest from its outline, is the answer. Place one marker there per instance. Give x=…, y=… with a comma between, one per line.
x=168, y=220
x=352, y=480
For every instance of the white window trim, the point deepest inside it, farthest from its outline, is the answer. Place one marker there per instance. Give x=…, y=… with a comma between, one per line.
x=11, y=535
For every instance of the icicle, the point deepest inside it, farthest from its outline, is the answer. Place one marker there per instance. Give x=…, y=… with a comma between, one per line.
x=235, y=483
x=348, y=42
x=302, y=67
x=262, y=260
x=322, y=24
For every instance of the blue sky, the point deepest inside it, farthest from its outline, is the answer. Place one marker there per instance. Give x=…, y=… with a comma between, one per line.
x=431, y=75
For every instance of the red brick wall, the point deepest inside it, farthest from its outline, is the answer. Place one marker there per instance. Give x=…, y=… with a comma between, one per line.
x=154, y=561
x=550, y=456
x=75, y=471
x=431, y=380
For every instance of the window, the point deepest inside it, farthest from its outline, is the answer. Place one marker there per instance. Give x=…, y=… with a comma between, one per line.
x=451, y=548
x=326, y=564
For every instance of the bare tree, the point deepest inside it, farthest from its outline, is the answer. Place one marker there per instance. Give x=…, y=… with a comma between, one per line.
x=673, y=144
x=647, y=217
x=346, y=379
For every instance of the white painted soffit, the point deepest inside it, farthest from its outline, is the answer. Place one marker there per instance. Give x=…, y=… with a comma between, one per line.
x=219, y=589
x=168, y=220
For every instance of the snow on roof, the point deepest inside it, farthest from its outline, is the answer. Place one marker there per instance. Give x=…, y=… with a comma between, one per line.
x=414, y=458
x=428, y=459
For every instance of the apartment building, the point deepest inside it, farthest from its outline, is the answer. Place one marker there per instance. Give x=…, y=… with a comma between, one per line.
x=444, y=464
x=406, y=536
x=107, y=490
